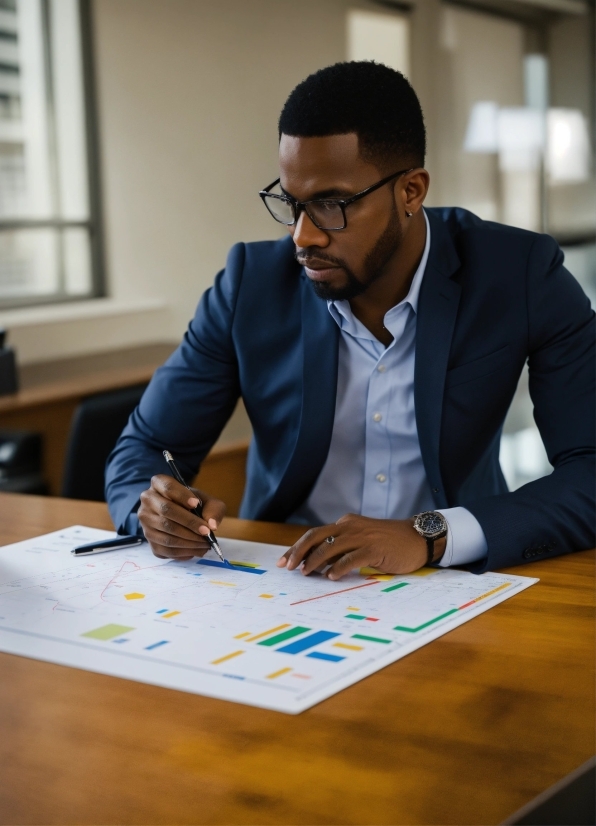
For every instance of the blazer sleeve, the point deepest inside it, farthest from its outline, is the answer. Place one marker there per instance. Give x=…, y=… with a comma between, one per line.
x=187, y=403
x=556, y=514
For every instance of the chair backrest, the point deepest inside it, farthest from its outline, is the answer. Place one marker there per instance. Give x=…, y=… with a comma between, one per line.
x=96, y=425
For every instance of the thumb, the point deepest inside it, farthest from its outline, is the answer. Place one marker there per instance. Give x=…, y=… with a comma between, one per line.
x=213, y=512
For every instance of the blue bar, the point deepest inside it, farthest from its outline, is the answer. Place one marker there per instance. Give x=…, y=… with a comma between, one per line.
x=156, y=645
x=162, y=611
x=332, y=658
x=213, y=564
x=307, y=642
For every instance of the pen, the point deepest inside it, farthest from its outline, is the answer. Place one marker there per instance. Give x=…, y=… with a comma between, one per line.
x=107, y=545
x=198, y=511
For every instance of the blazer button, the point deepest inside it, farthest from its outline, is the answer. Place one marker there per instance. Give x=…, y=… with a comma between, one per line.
x=528, y=553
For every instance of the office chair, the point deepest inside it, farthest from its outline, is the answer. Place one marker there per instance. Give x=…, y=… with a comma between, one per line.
x=96, y=425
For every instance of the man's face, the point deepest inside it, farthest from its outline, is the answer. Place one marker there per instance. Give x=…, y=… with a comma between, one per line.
x=340, y=264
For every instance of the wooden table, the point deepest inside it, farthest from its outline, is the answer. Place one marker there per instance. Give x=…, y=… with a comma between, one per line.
x=464, y=731
x=50, y=392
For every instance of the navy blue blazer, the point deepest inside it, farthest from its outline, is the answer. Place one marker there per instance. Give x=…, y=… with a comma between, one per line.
x=492, y=298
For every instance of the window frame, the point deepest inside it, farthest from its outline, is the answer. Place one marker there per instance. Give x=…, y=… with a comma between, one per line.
x=94, y=224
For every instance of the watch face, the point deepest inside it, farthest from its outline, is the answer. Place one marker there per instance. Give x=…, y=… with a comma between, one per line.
x=430, y=523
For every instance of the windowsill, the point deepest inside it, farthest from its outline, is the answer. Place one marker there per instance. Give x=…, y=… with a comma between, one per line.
x=76, y=311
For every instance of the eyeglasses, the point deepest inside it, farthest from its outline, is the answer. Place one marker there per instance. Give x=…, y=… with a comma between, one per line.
x=325, y=213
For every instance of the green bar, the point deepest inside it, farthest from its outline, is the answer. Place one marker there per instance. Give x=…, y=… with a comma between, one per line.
x=355, y=616
x=424, y=625
x=369, y=639
x=287, y=635
x=107, y=632
x=394, y=587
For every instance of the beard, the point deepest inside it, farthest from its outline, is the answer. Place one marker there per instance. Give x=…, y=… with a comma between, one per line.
x=374, y=263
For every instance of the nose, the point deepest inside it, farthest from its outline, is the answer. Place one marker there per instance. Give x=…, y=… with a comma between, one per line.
x=306, y=234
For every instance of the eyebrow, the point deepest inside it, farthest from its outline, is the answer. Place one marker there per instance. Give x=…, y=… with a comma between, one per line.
x=322, y=194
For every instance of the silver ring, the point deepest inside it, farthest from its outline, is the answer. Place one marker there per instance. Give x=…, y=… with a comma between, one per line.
x=330, y=540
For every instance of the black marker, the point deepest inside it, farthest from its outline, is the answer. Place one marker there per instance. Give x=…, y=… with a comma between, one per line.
x=102, y=545
x=198, y=511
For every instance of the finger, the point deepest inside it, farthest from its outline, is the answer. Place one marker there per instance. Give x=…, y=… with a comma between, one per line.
x=168, y=540
x=356, y=558
x=161, y=543
x=169, y=525
x=327, y=553
x=163, y=553
x=311, y=539
x=214, y=511
x=171, y=489
x=154, y=505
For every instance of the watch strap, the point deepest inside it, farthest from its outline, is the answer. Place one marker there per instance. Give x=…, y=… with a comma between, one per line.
x=430, y=548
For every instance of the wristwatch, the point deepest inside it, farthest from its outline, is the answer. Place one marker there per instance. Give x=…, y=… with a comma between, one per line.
x=431, y=525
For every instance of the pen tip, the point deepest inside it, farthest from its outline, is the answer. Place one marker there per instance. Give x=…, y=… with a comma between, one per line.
x=167, y=456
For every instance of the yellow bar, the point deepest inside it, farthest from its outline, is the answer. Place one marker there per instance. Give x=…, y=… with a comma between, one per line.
x=240, y=636
x=243, y=564
x=349, y=647
x=494, y=591
x=219, y=582
x=266, y=633
x=423, y=572
x=353, y=608
x=266, y=596
x=134, y=596
x=227, y=657
x=373, y=572
x=278, y=673
x=171, y=614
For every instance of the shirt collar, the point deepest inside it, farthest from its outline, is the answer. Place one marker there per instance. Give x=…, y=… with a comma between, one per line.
x=341, y=312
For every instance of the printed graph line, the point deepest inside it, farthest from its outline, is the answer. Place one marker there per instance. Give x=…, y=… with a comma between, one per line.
x=260, y=636
x=227, y=657
x=334, y=593
x=277, y=674
x=484, y=596
x=426, y=624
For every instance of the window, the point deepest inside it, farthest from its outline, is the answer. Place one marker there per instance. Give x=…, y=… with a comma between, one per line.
x=49, y=244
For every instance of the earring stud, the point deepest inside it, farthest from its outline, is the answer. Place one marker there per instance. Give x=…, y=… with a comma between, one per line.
x=409, y=214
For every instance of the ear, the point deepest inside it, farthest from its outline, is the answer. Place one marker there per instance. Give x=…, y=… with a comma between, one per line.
x=413, y=189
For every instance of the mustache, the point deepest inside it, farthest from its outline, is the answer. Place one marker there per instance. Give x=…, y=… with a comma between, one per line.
x=311, y=255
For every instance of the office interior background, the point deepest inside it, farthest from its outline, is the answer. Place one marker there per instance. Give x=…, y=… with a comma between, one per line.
x=134, y=137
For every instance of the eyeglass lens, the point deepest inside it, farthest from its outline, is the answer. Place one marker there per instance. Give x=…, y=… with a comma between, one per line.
x=324, y=214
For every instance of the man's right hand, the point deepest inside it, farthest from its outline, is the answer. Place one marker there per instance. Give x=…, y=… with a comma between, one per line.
x=169, y=526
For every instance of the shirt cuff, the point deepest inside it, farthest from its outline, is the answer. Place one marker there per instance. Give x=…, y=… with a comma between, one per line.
x=132, y=526
x=465, y=538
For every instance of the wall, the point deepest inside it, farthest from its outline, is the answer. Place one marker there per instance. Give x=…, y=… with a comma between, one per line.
x=189, y=95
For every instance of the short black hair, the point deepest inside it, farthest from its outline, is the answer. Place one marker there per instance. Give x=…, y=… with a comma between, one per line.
x=376, y=102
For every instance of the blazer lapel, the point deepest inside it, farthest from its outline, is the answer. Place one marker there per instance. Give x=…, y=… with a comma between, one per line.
x=320, y=338
x=437, y=312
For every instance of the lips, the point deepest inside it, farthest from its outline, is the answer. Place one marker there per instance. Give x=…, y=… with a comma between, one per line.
x=319, y=270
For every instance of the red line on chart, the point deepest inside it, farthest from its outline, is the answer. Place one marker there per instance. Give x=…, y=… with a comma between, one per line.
x=333, y=593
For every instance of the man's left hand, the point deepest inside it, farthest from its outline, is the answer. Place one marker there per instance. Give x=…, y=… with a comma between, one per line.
x=389, y=545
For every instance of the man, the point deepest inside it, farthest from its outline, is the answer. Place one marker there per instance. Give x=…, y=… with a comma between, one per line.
x=377, y=350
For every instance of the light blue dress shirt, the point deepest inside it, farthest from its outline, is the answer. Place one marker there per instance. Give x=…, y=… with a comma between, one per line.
x=374, y=466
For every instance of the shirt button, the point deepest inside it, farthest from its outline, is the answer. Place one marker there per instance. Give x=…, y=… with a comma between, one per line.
x=381, y=368
x=377, y=417
x=381, y=477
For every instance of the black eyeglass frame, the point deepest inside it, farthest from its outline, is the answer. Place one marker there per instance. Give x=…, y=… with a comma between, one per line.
x=342, y=203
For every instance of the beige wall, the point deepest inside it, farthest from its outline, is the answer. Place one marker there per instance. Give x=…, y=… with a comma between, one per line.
x=189, y=96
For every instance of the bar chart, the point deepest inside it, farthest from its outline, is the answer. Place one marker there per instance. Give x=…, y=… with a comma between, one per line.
x=248, y=632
